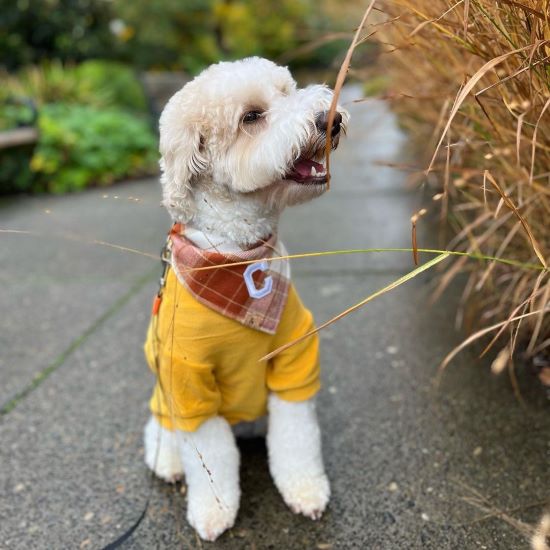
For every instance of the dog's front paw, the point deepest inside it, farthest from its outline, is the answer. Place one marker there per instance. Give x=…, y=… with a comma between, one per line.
x=307, y=495
x=161, y=452
x=209, y=516
x=166, y=465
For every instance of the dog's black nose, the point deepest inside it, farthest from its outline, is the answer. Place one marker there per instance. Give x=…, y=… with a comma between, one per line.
x=321, y=121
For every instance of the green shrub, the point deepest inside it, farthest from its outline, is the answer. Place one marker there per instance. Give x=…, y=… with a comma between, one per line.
x=15, y=173
x=112, y=82
x=190, y=35
x=70, y=30
x=81, y=145
x=48, y=82
x=97, y=83
x=14, y=114
x=88, y=133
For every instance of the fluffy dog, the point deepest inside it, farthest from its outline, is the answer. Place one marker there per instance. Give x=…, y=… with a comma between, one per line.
x=239, y=143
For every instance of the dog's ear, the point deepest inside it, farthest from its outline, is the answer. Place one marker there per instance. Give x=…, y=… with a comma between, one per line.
x=182, y=159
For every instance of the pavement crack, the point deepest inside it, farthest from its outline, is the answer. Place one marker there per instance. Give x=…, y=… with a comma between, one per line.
x=41, y=376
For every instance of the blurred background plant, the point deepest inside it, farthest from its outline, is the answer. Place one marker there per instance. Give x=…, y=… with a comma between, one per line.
x=68, y=66
x=481, y=79
x=209, y=30
x=81, y=145
x=93, y=126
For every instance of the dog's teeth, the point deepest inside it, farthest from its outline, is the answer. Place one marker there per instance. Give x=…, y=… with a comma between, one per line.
x=313, y=171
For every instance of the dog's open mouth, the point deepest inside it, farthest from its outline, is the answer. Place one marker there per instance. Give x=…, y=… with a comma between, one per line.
x=307, y=171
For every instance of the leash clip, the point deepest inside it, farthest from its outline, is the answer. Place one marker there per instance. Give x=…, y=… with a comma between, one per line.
x=165, y=262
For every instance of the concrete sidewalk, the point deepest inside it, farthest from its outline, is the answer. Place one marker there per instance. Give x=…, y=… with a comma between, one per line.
x=402, y=455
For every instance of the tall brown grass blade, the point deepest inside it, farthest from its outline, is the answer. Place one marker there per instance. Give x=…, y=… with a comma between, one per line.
x=477, y=335
x=528, y=9
x=420, y=26
x=484, y=504
x=511, y=234
x=518, y=138
x=414, y=243
x=482, y=107
x=391, y=286
x=441, y=28
x=512, y=207
x=338, y=87
x=534, y=140
x=534, y=293
x=510, y=76
x=511, y=366
x=446, y=279
x=414, y=219
x=465, y=20
x=538, y=324
x=478, y=75
x=498, y=116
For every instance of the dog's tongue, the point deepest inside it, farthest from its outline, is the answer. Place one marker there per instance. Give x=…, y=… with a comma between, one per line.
x=303, y=167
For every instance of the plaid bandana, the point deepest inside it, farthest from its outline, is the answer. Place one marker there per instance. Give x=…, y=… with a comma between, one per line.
x=254, y=294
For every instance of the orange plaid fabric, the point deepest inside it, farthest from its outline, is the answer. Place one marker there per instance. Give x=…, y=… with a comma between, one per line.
x=224, y=288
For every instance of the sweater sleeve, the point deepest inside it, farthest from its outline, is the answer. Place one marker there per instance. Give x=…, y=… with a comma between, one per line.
x=185, y=395
x=294, y=374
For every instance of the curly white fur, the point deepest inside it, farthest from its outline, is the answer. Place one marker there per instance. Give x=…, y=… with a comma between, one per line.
x=295, y=458
x=161, y=452
x=210, y=460
x=227, y=177
x=229, y=182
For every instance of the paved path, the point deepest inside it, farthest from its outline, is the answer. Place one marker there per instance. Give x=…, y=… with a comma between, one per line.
x=402, y=456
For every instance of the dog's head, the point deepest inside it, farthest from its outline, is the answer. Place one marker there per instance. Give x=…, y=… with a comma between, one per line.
x=244, y=127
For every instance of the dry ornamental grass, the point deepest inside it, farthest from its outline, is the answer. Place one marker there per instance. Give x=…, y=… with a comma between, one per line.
x=472, y=78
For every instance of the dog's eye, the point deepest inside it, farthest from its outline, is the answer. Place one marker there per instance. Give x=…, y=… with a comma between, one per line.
x=252, y=116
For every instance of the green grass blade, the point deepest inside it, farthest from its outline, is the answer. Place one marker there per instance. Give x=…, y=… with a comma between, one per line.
x=407, y=277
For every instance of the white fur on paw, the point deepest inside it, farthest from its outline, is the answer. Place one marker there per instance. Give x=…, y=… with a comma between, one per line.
x=161, y=453
x=209, y=517
x=307, y=495
x=167, y=466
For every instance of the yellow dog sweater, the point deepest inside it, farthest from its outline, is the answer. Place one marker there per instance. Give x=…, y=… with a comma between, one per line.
x=207, y=359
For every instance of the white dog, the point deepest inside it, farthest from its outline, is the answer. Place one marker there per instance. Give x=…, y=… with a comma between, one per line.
x=239, y=143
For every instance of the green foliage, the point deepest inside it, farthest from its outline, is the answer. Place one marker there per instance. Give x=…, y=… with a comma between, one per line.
x=167, y=34
x=70, y=30
x=81, y=145
x=78, y=145
x=15, y=171
x=14, y=114
x=87, y=134
x=95, y=82
x=115, y=83
x=48, y=82
x=163, y=33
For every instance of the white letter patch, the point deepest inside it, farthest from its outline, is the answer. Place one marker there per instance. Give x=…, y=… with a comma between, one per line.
x=251, y=287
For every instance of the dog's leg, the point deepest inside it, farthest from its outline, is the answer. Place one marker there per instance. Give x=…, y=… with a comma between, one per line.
x=162, y=452
x=211, y=462
x=295, y=459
